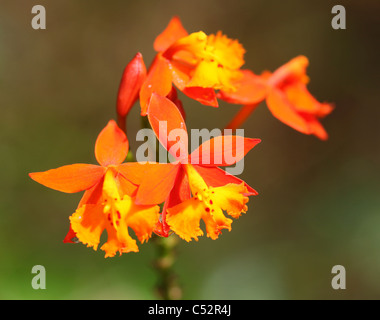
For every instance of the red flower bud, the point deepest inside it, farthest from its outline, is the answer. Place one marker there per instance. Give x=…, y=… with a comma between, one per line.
x=131, y=81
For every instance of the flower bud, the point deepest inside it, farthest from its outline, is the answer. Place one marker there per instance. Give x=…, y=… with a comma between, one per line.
x=131, y=81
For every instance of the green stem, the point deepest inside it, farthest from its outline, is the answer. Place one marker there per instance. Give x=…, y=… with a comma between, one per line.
x=167, y=287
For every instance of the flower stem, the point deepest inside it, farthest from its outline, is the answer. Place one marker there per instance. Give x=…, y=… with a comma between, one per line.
x=241, y=116
x=167, y=287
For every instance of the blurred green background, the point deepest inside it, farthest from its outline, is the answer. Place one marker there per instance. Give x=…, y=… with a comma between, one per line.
x=319, y=202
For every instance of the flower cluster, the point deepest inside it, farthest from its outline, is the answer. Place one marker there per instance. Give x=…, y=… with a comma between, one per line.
x=163, y=198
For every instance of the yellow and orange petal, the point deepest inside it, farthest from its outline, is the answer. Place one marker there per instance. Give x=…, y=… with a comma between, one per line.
x=88, y=223
x=205, y=61
x=250, y=89
x=124, y=210
x=210, y=74
x=184, y=219
x=208, y=205
x=217, y=177
x=231, y=198
x=118, y=242
x=116, y=213
x=126, y=214
x=194, y=46
x=227, y=52
x=215, y=222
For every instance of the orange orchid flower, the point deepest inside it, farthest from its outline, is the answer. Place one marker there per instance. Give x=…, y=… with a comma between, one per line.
x=212, y=188
x=109, y=199
x=198, y=64
x=286, y=95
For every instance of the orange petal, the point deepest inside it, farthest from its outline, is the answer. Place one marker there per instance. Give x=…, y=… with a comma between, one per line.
x=223, y=150
x=131, y=81
x=292, y=71
x=180, y=193
x=92, y=195
x=133, y=171
x=300, y=97
x=205, y=96
x=216, y=177
x=126, y=186
x=181, y=74
x=280, y=107
x=158, y=182
x=111, y=147
x=72, y=178
x=171, y=34
x=159, y=80
x=173, y=96
x=181, y=190
x=165, y=112
x=250, y=89
x=316, y=128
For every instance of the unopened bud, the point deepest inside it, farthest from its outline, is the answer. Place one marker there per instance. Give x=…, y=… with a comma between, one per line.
x=131, y=81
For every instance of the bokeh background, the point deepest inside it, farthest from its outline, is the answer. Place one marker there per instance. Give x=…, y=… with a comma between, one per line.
x=319, y=202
